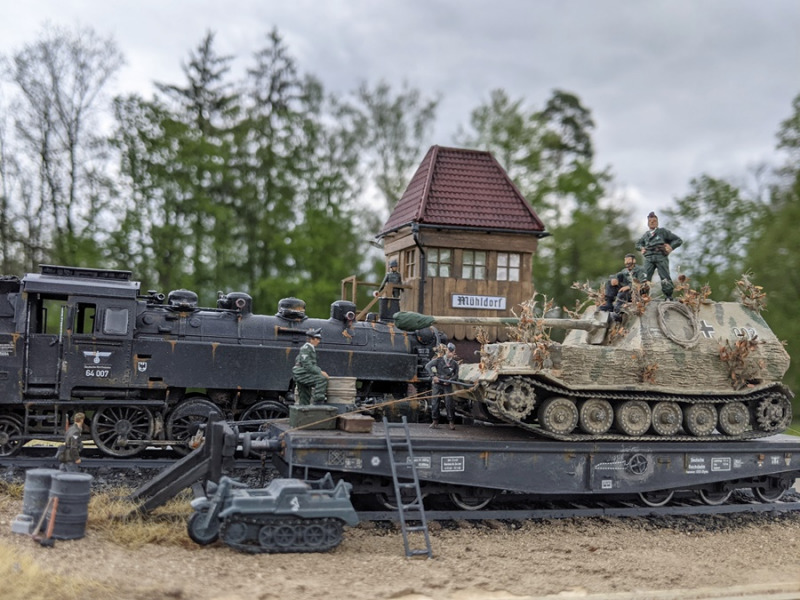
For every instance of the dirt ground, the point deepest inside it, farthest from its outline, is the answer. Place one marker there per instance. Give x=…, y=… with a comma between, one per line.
x=578, y=558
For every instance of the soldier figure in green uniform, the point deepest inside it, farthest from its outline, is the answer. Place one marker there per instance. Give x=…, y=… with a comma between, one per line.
x=70, y=454
x=392, y=277
x=619, y=286
x=655, y=245
x=312, y=382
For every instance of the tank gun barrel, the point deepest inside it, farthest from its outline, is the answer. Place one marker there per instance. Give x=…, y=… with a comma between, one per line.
x=583, y=324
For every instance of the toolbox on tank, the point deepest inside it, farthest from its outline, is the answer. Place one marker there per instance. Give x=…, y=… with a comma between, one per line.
x=355, y=423
x=313, y=416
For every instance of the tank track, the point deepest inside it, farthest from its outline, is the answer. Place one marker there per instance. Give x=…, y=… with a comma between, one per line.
x=495, y=409
x=272, y=534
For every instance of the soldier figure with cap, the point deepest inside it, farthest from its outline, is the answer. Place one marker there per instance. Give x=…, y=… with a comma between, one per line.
x=656, y=245
x=69, y=455
x=392, y=277
x=312, y=382
x=619, y=286
x=443, y=370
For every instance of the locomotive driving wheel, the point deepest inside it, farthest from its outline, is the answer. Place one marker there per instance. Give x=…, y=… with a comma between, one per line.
x=122, y=430
x=10, y=435
x=515, y=397
x=185, y=420
x=262, y=411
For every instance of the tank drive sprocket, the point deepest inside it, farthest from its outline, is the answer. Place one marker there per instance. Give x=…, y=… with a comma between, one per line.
x=513, y=396
x=774, y=413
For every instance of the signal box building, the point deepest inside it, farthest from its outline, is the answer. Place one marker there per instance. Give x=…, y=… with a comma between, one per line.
x=463, y=237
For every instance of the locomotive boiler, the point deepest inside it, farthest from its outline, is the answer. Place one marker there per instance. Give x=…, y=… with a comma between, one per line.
x=147, y=369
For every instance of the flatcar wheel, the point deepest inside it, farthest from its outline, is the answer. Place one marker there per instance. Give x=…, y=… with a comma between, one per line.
x=700, y=419
x=656, y=498
x=558, y=415
x=667, y=418
x=10, y=435
x=734, y=418
x=714, y=496
x=262, y=411
x=471, y=500
x=389, y=502
x=633, y=417
x=185, y=419
x=122, y=430
x=199, y=532
x=314, y=535
x=596, y=416
x=771, y=491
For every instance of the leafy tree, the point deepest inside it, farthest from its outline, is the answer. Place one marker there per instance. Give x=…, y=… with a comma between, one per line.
x=549, y=155
x=60, y=189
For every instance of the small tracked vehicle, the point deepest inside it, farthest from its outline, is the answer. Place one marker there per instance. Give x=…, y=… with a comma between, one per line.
x=289, y=515
x=672, y=373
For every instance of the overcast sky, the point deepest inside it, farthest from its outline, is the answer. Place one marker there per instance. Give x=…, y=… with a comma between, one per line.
x=677, y=88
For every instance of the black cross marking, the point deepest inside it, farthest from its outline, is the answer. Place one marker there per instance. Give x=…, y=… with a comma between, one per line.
x=708, y=330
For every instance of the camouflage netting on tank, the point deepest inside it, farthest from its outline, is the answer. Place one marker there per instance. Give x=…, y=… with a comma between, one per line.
x=411, y=321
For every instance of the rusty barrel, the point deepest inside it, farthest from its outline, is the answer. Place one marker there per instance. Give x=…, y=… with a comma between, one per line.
x=73, y=491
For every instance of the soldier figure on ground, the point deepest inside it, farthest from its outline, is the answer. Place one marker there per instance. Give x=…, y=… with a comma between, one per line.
x=655, y=245
x=443, y=369
x=70, y=454
x=619, y=286
x=312, y=382
x=392, y=277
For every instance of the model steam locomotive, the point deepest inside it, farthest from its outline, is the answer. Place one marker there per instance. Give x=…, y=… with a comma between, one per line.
x=148, y=368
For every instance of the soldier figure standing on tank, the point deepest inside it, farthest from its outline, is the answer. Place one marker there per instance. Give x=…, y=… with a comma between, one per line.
x=312, y=382
x=70, y=455
x=443, y=369
x=656, y=245
x=392, y=277
x=619, y=286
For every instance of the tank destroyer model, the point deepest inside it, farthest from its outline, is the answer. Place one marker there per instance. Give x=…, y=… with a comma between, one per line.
x=674, y=372
x=289, y=515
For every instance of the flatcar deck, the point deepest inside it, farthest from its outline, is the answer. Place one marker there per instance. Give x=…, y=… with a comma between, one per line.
x=504, y=458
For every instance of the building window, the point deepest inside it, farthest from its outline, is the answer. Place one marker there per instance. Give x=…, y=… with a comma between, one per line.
x=474, y=264
x=410, y=264
x=440, y=262
x=508, y=266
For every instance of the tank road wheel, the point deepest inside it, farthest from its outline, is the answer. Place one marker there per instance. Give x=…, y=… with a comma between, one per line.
x=472, y=499
x=558, y=415
x=700, y=419
x=633, y=417
x=185, y=419
x=10, y=435
x=122, y=430
x=200, y=532
x=774, y=413
x=715, y=495
x=333, y=533
x=284, y=536
x=266, y=537
x=234, y=532
x=772, y=490
x=515, y=397
x=734, y=418
x=667, y=418
x=596, y=416
x=656, y=498
x=314, y=535
x=263, y=411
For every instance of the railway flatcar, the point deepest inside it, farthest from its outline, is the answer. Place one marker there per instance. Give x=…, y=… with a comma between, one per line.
x=148, y=368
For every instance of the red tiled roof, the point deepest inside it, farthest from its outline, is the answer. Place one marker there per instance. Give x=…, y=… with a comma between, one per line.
x=456, y=187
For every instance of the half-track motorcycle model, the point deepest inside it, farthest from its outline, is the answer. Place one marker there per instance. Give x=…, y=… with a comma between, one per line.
x=148, y=369
x=289, y=515
x=672, y=373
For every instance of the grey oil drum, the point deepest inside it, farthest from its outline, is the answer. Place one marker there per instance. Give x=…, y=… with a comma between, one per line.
x=342, y=393
x=37, y=492
x=73, y=491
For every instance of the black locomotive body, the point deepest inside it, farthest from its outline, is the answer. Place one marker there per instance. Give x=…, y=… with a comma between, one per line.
x=147, y=368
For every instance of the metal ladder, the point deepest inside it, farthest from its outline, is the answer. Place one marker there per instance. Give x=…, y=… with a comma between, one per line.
x=414, y=510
